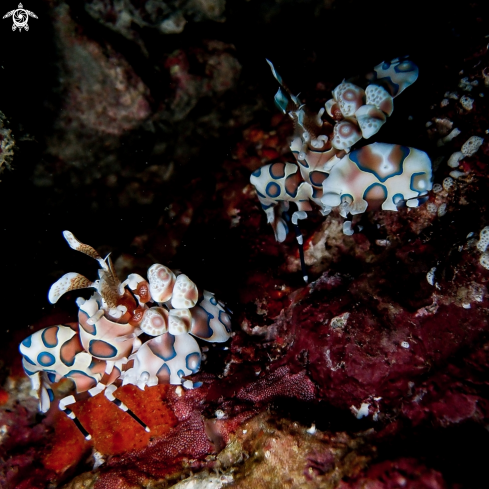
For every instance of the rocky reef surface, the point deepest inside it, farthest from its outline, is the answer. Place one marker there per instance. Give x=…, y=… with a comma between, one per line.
x=137, y=125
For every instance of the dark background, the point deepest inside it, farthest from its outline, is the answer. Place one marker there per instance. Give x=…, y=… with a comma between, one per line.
x=308, y=41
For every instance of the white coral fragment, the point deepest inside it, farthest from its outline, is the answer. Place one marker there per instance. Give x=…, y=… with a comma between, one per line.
x=453, y=134
x=340, y=321
x=312, y=430
x=431, y=208
x=361, y=412
x=454, y=160
x=484, y=260
x=483, y=240
x=467, y=103
x=347, y=229
x=467, y=85
x=98, y=459
x=437, y=188
x=430, y=276
x=219, y=414
x=471, y=146
x=457, y=174
x=448, y=183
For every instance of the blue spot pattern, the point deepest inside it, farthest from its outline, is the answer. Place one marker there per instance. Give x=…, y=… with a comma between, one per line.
x=303, y=162
x=164, y=369
x=370, y=187
x=423, y=199
x=46, y=342
x=92, y=364
x=397, y=198
x=210, y=316
x=411, y=185
x=296, y=189
x=354, y=158
x=66, y=362
x=111, y=348
x=273, y=176
x=273, y=190
x=28, y=360
x=45, y=359
x=222, y=322
x=93, y=329
x=173, y=353
x=320, y=176
x=27, y=342
x=393, y=87
x=79, y=372
x=191, y=358
x=405, y=67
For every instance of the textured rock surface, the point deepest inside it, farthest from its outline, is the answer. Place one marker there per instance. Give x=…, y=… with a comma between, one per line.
x=7, y=144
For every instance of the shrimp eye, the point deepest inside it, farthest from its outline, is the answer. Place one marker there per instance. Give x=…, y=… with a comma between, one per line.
x=142, y=291
x=137, y=316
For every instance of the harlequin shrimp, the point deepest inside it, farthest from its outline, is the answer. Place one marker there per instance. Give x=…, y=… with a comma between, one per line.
x=326, y=173
x=103, y=350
